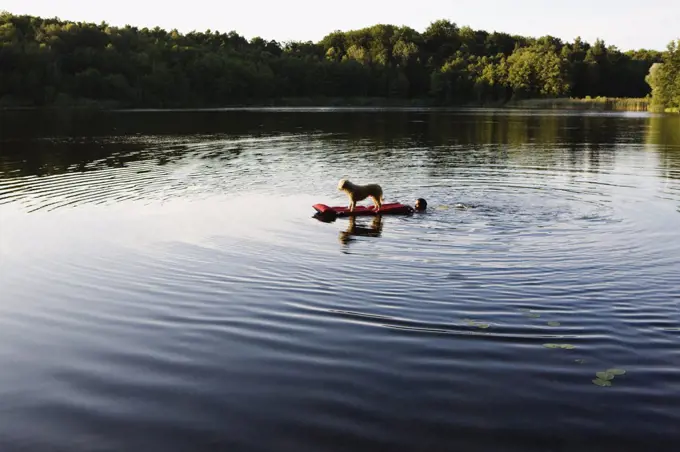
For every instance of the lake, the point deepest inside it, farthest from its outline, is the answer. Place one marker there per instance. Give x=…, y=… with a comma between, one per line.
x=165, y=287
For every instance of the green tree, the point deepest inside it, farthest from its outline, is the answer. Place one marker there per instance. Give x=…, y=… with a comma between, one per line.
x=664, y=79
x=537, y=71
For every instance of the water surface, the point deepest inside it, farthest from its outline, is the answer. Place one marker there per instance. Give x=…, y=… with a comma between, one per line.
x=165, y=287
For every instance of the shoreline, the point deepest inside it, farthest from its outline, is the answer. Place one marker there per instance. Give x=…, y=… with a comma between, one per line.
x=583, y=104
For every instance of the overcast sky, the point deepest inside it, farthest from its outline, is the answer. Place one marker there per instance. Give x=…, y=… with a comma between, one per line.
x=627, y=24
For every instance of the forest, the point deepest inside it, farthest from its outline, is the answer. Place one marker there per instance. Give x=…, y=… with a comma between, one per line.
x=53, y=62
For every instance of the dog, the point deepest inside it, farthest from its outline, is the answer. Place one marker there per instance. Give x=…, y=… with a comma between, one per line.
x=358, y=193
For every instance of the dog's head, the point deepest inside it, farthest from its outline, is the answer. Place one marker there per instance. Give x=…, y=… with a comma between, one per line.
x=343, y=184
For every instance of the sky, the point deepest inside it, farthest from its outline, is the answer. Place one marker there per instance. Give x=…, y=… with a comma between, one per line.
x=627, y=24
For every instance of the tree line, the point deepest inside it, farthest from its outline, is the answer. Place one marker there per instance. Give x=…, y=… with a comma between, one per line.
x=48, y=61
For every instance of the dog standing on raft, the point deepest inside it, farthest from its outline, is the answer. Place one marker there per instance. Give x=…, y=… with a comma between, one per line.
x=358, y=193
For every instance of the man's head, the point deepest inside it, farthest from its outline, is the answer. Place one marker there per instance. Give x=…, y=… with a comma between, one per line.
x=421, y=205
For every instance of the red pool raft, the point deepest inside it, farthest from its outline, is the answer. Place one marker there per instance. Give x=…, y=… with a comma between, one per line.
x=387, y=209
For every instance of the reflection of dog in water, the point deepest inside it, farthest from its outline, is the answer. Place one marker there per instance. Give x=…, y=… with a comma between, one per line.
x=358, y=193
x=374, y=230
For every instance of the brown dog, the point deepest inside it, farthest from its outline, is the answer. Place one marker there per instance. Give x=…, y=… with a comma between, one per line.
x=358, y=193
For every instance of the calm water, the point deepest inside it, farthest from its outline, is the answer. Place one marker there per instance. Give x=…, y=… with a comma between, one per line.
x=164, y=286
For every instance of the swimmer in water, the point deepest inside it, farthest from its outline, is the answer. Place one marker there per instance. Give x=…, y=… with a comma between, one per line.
x=421, y=205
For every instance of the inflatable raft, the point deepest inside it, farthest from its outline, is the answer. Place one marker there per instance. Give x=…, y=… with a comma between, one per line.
x=387, y=209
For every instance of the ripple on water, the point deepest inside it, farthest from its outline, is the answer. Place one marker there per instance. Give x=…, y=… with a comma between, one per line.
x=181, y=284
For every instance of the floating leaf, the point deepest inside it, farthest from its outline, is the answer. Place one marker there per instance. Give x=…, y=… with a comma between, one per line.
x=580, y=361
x=616, y=371
x=554, y=323
x=601, y=382
x=477, y=324
x=564, y=346
x=604, y=375
x=534, y=315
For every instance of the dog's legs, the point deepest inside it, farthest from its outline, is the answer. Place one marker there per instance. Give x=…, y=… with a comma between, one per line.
x=377, y=202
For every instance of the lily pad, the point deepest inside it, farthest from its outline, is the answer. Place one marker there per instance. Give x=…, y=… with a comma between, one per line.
x=616, y=371
x=601, y=382
x=604, y=375
x=554, y=323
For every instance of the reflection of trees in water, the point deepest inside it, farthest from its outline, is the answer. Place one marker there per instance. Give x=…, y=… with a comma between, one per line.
x=44, y=157
x=539, y=141
x=442, y=139
x=47, y=157
x=663, y=133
